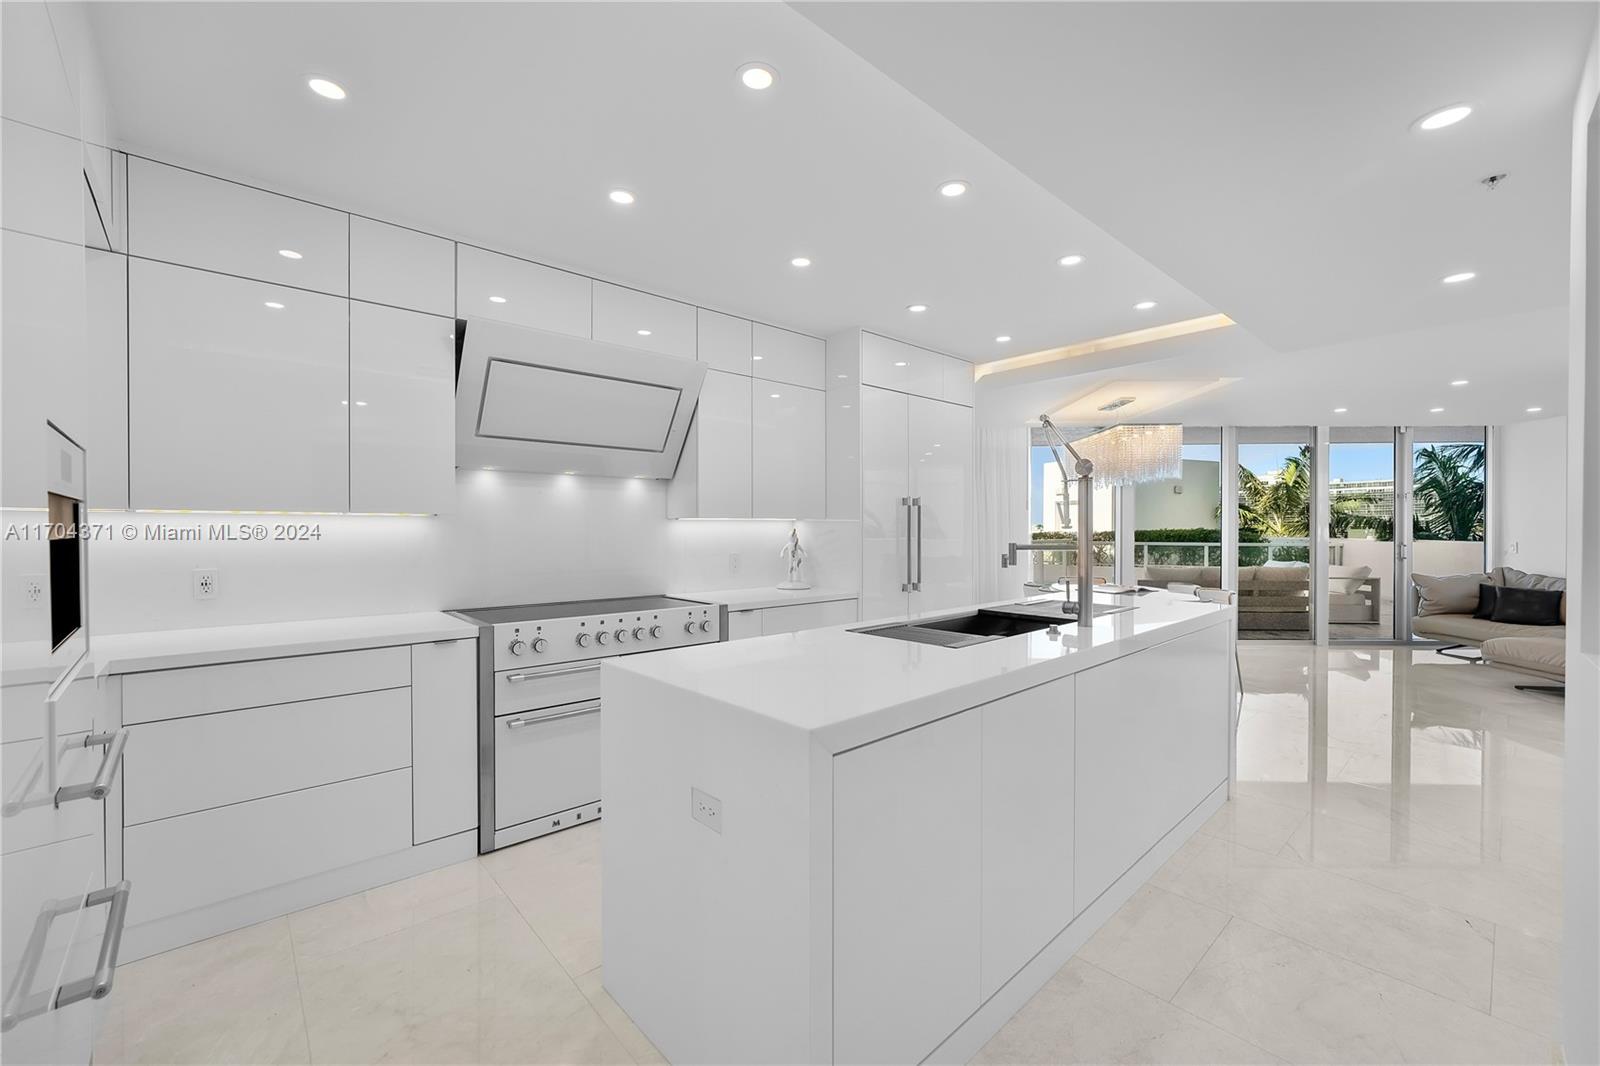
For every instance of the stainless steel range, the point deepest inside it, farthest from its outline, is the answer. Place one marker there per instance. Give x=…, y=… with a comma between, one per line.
x=539, y=701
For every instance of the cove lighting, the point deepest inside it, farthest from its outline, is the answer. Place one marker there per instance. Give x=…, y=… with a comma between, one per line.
x=1445, y=116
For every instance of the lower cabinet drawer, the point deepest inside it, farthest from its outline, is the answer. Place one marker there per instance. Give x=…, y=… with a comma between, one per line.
x=30, y=815
x=795, y=618
x=162, y=694
x=192, y=764
x=180, y=864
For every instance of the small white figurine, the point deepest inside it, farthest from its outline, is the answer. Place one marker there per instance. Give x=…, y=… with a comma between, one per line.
x=796, y=555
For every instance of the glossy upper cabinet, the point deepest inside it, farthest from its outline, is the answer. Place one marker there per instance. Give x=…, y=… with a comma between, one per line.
x=490, y=285
x=234, y=403
x=713, y=478
x=637, y=319
x=789, y=357
x=724, y=341
x=891, y=364
x=402, y=411
x=105, y=432
x=178, y=216
x=402, y=267
x=41, y=182
x=788, y=461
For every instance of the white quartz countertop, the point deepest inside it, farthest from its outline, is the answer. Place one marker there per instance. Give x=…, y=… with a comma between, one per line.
x=767, y=596
x=850, y=688
x=127, y=653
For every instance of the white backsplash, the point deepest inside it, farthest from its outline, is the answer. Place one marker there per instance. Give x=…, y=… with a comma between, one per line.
x=515, y=538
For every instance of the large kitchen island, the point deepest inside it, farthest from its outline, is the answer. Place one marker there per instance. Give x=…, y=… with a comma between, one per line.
x=835, y=846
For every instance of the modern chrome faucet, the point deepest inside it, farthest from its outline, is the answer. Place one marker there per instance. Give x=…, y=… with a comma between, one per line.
x=1085, y=480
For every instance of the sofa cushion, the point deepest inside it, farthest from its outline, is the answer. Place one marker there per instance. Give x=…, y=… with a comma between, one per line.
x=1347, y=579
x=1450, y=594
x=1538, y=655
x=1528, y=607
x=1469, y=630
x=1511, y=577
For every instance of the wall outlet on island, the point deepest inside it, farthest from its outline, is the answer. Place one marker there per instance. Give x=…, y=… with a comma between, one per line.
x=32, y=591
x=733, y=562
x=205, y=584
x=706, y=809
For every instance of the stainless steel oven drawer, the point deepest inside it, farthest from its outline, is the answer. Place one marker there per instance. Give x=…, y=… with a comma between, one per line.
x=525, y=690
x=546, y=761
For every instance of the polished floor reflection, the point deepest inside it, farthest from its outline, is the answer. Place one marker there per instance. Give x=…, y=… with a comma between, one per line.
x=1383, y=888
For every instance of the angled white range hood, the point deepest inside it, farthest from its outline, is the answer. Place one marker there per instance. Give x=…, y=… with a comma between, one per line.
x=551, y=404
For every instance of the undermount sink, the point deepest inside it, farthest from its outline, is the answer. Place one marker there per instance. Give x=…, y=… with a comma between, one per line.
x=980, y=627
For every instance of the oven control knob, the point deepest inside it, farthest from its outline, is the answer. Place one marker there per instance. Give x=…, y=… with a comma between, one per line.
x=655, y=631
x=583, y=640
x=539, y=645
x=621, y=635
x=517, y=646
x=602, y=637
x=688, y=627
x=705, y=627
x=638, y=632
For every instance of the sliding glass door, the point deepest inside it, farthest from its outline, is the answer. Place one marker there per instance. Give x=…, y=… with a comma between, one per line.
x=1363, y=560
x=1274, y=533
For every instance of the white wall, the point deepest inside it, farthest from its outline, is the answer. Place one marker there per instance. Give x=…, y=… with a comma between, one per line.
x=1157, y=506
x=1530, y=496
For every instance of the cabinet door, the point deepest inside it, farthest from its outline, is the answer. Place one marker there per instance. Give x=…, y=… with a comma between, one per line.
x=235, y=404
x=41, y=182
x=402, y=267
x=906, y=853
x=941, y=478
x=490, y=285
x=885, y=483
x=637, y=319
x=744, y=624
x=783, y=355
x=891, y=364
x=713, y=478
x=958, y=381
x=723, y=342
x=788, y=454
x=444, y=738
x=106, y=279
x=1027, y=826
x=403, y=411
x=798, y=617
x=178, y=216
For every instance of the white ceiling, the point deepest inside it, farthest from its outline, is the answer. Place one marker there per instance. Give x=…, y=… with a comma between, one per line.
x=506, y=125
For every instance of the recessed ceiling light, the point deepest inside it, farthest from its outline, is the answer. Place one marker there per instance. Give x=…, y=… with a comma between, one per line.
x=775, y=395
x=1458, y=382
x=953, y=189
x=1003, y=339
x=642, y=332
x=901, y=363
x=275, y=305
x=497, y=299
x=1144, y=305
x=800, y=261
x=1435, y=410
x=361, y=403
x=757, y=76
x=1457, y=279
x=1340, y=410
x=1069, y=260
x=290, y=253
x=1445, y=116
x=916, y=309
x=331, y=90
x=621, y=196
x=1535, y=410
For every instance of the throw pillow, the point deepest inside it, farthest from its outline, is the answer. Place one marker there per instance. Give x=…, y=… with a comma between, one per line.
x=1527, y=607
x=1511, y=577
x=1487, y=595
x=1453, y=594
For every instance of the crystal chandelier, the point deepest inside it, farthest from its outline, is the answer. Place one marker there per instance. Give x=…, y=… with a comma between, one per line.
x=1126, y=455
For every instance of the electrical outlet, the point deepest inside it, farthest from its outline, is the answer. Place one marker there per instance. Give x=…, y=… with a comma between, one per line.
x=733, y=563
x=205, y=584
x=1515, y=547
x=33, y=591
x=706, y=809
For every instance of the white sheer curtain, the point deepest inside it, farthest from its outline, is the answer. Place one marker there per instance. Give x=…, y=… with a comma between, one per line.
x=1002, y=496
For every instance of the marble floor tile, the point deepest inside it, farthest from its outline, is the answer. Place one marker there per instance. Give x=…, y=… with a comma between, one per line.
x=1307, y=1005
x=471, y=986
x=1154, y=940
x=555, y=882
x=230, y=999
x=1526, y=975
x=638, y=1045
x=1086, y=1015
x=388, y=908
x=1254, y=823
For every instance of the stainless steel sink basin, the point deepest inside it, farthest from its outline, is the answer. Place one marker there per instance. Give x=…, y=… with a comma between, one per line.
x=980, y=627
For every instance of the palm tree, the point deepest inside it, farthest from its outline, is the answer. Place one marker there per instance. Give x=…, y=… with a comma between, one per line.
x=1280, y=507
x=1448, y=491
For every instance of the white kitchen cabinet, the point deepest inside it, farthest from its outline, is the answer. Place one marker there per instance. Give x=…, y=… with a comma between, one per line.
x=490, y=285
x=786, y=356
x=637, y=319
x=891, y=364
x=713, y=478
x=402, y=412
x=906, y=860
x=402, y=267
x=179, y=216
x=444, y=738
x=41, y=182
x=798, y=617
x=1027, y=825
x=156, y=695
x=959, y=384
x=788, y=461
x=234, y=404
x=723, y=341
x=742, y=625
x=916, y=502
x=1151, y=746
x=31, y=818
x=106, y=429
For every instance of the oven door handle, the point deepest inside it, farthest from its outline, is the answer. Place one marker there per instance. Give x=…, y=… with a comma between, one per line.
x=554, y=716
x=561, y=671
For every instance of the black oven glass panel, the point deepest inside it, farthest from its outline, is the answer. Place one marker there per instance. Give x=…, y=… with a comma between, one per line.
x=66, y=569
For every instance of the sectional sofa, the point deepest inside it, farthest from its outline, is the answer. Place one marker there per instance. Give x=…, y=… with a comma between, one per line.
x=1443, y=610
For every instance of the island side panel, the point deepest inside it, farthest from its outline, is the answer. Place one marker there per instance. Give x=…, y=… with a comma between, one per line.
x=706, y=936
x=1152, y=744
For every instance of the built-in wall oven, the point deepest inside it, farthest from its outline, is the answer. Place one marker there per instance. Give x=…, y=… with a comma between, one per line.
x=539, y=707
